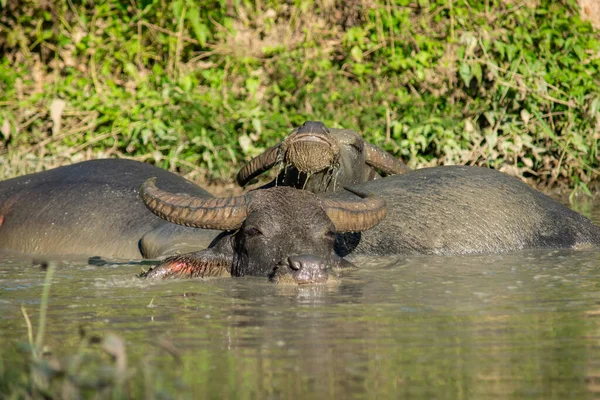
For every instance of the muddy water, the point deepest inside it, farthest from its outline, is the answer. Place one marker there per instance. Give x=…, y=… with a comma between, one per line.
x=524, y=325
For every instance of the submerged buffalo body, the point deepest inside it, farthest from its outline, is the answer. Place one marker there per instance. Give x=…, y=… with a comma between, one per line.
x=465, y=210
x=444, y=210
x=93, y=209
x=318, y=159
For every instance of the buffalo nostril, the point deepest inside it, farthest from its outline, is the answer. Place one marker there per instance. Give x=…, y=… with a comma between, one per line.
x=295, y=264
x=306, y=263
x=301, y=269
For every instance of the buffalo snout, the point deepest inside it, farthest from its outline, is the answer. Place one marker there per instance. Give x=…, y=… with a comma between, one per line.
x=302, y=269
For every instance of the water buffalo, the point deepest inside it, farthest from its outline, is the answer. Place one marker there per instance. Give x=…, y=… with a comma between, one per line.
x=443, y=211
x=319, y=159
x=93, y=209
x=280, y=232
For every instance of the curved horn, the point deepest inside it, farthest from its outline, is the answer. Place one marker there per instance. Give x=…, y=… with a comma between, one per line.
x=384, y=161
x=257, y=166
x=224, y=213
x=357, y=215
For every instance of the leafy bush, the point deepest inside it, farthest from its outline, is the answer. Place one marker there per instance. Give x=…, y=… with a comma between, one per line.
x=202, y=86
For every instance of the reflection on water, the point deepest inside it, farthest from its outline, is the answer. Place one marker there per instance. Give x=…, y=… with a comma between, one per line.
x=519, y=325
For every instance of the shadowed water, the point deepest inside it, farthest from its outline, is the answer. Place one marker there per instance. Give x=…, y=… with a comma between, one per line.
x=521, y=325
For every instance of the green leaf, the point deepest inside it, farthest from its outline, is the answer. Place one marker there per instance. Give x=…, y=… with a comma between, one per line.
x=477, y=74
x=200, y=30
x=356, y=54
x=465, y=73
x=252, y=85
x=579, y=51
x=177, y=8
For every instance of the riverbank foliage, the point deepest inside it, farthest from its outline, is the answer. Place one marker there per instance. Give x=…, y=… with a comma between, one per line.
x=202, y=86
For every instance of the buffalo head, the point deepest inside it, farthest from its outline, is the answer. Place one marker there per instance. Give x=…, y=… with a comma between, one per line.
x=319, y=159
x=283, y=233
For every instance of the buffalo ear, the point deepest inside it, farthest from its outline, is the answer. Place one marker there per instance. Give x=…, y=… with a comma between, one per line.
x=201, y=264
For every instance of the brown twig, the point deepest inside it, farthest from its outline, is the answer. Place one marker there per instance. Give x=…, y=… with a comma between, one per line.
x=168, y=32
x=178, y=45
x=543, y=96
x=80, y=127
x=89, y=142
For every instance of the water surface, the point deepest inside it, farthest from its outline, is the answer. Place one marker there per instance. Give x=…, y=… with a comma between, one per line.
x=521, y=325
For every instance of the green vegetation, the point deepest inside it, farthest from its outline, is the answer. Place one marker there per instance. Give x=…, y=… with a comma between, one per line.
x=97, y=368
x=202, y=86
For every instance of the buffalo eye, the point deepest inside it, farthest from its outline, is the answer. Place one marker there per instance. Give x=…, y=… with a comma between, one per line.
x=252, y=232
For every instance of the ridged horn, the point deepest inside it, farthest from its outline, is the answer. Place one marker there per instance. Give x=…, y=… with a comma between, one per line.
x=257, y=166
x=355, y=215
x=223, y=213
x=384, y=161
